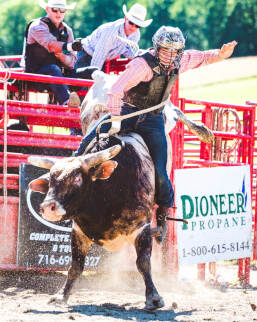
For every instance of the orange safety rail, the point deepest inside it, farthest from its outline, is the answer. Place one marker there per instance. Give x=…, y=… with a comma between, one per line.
x=14, y=159
x=21, y=138
x=12, y=181
x=47, y=78
x=42, y=114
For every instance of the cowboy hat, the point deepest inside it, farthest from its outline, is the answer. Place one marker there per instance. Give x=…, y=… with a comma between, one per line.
x=137, y=14
x=56, y=4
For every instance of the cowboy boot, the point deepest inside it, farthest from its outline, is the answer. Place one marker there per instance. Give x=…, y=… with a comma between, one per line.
x=74, y=100
x=161, y=217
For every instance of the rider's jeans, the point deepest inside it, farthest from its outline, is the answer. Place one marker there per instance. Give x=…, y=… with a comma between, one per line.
x=151, y=128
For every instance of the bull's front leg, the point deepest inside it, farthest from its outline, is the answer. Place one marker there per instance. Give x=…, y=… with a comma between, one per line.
x=143, y=244
x=80, y=245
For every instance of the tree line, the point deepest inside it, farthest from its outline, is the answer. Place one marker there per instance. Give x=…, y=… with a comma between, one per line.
x=206, y=24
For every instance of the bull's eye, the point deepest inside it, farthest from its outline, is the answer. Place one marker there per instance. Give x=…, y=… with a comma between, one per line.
x=78, y=180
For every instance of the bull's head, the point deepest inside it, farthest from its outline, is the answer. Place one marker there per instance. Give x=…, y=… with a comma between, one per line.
x=68, y=177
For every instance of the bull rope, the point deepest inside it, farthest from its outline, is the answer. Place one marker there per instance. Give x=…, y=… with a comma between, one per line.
x=5, y=81
x=123, y=117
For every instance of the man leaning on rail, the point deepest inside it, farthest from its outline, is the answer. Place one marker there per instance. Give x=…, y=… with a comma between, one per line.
x=146, y=82
x=50, y=49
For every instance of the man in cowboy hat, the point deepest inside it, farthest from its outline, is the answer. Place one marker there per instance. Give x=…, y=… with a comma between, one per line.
x=113, y=39
x=46, y=38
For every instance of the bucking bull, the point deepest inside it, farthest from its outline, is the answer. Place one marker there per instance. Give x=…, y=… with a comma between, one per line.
x=108, y=193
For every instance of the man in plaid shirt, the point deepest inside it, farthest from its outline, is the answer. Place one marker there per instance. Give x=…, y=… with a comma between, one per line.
x=113, y=39
x=146, y=82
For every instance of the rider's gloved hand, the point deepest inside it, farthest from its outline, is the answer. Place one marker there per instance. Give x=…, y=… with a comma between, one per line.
x=171, y=116
x=115, y=128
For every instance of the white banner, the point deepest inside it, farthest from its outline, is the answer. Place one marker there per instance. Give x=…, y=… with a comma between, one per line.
x=216, y=202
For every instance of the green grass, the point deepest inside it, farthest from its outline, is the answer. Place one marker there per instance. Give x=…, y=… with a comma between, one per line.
x=231, y=92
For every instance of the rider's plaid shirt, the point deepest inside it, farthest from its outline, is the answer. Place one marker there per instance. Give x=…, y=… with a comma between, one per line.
x=139, y=71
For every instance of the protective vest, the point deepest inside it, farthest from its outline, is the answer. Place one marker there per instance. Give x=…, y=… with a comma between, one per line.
x=157, y=90
x=36, y=56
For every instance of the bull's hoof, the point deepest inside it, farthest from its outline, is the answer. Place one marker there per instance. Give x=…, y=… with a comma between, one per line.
x=162, y=231
x=153, y=303
x=57, y=299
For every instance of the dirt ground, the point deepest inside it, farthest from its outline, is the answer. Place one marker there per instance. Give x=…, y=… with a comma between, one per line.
x=113, y=297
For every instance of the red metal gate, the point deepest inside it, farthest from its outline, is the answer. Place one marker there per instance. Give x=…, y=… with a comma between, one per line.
x=233, y=146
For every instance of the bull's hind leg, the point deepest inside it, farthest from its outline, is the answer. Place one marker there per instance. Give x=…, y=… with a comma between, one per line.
x=143, y=246
x=80, y=245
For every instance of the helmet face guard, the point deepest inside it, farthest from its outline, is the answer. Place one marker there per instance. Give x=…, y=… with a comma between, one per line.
x=170, y=39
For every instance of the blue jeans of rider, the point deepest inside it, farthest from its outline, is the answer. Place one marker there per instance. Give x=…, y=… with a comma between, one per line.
x=152, y=128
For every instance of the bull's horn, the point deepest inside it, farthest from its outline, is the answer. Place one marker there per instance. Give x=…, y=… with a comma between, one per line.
x=42, y=162
x=94, y=159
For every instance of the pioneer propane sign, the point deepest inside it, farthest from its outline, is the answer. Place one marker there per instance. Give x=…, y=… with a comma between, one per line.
x=216, y=202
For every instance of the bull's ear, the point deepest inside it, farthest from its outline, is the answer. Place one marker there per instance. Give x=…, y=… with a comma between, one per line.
x=39, y=185
x=104, y=170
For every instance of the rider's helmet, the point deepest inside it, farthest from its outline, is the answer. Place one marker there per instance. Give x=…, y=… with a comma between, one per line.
x=171, y=39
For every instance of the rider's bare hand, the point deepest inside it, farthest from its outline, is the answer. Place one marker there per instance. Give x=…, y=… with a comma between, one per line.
x=227, y=49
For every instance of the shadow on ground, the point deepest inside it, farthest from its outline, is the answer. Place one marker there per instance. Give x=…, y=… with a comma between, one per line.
x=119, y=312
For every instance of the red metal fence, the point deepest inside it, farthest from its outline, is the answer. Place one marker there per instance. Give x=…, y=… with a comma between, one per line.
x=233, y=146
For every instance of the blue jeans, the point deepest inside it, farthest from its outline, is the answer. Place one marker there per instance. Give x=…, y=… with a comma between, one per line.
x=152, y=128
x=60, y=91
x=84, y=60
